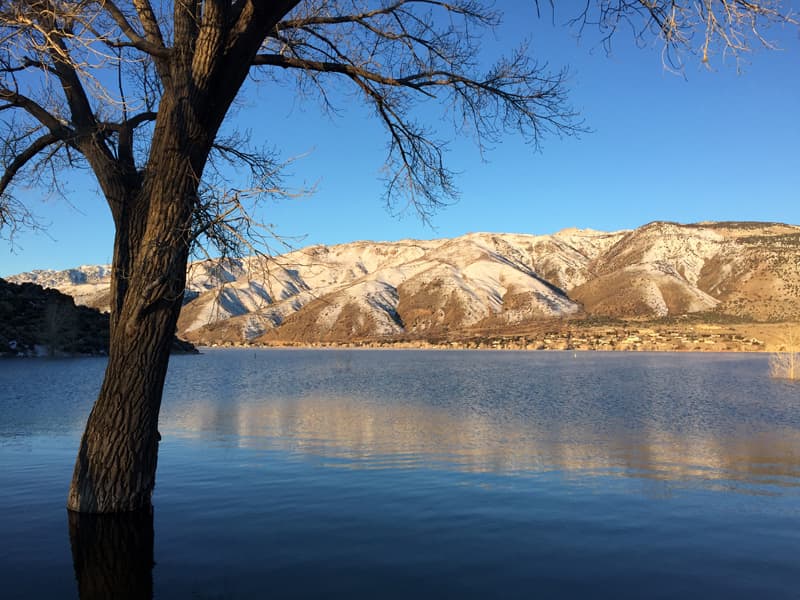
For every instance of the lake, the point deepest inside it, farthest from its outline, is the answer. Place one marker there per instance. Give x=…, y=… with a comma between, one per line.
x=389, y=474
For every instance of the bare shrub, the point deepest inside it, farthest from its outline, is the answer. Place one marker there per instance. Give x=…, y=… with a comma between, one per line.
x=785, y=363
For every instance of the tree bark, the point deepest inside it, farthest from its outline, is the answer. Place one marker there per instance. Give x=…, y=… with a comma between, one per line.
x=116, y=464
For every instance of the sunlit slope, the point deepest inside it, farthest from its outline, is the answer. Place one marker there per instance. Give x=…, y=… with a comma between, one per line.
x=745, y=269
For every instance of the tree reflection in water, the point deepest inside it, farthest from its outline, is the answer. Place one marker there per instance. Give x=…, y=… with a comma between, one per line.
x=113, y=555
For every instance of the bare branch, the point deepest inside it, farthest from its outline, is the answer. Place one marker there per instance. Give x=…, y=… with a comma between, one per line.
x=249, y=17
x=14, y=215
x=35, y=110
x=286, y=62
x=721, y=26
x=154, y=43
x=133, y=122
x=396, y=56
x=149, y=22
x=470, y=9
x=23, y=157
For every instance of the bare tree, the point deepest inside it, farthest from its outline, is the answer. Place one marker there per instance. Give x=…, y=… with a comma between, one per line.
x=137, y=91
x=785, y=363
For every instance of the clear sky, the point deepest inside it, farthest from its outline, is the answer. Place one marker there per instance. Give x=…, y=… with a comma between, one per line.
x=711, y=144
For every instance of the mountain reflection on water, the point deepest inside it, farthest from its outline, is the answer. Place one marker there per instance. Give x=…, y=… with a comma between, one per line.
x=370, y=436
x=673, y=429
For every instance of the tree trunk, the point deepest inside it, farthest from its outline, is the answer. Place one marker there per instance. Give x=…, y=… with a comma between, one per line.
x=116, y=464
x=152, y=209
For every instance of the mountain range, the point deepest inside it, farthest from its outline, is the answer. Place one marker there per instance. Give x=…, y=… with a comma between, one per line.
x=479, y=282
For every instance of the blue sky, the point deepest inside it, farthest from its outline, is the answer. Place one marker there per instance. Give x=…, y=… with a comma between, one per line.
x=712, y=144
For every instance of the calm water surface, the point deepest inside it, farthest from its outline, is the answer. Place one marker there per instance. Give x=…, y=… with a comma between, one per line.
x=387, y=474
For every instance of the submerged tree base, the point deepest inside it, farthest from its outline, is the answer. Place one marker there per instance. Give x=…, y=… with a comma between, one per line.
x=113, y=554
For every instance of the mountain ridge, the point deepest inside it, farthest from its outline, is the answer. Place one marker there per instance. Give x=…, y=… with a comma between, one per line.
x=482, y=281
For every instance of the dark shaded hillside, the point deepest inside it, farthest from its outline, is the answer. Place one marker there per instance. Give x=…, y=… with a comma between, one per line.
x=36, y=321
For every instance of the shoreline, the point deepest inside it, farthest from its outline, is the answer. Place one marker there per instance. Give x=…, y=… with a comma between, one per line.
x=606, y=337
x=437, y=348
x=553, y=336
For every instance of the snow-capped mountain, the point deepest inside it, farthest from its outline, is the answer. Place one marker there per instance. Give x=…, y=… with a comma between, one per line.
x=479, y=282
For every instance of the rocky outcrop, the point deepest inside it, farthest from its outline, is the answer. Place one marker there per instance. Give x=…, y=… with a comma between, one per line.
x=35, y=321
x=38, y=321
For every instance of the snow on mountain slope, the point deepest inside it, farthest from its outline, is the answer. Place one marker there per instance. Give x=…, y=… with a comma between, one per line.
x=745, y=269
x=480, y=281
x=651, y=271
x=453, y=294
x=666, y=247
x=418, y=287
x=641, y=291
